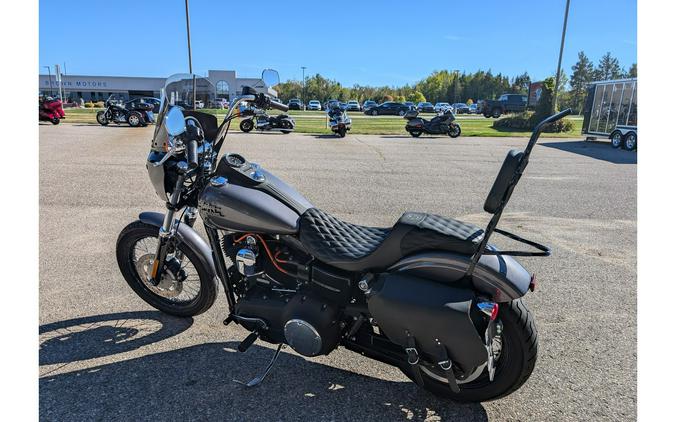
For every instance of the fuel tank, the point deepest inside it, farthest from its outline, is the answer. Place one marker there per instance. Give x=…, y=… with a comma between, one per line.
x=238, y=208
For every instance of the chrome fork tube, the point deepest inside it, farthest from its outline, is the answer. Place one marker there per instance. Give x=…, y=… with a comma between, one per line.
x=166, y=232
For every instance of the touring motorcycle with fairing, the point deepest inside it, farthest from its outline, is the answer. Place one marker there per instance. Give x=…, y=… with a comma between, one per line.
x=429, y=295
x=135, y=113
x=255, y=118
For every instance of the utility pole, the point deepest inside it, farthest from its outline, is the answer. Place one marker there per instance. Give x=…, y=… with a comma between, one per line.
x=49, y=70
x=303, y=86
x=194, y=80
x=562, y=46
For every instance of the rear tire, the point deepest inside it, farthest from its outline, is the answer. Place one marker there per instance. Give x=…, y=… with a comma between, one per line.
x=415, y=133
x=56, y=121
x=246, y=125
x=126, y=242
x=496, y=113
x=514, y=367
x=134, y=119
x=373, y=113
x=101, y=118
x=630, y=141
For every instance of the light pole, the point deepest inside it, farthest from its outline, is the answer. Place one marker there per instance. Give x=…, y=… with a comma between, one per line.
x=303, y=86
x=562, y=46
x=49, y=70
x=194, y=80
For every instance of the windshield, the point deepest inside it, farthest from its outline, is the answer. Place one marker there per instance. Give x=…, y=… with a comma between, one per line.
x=183, y=90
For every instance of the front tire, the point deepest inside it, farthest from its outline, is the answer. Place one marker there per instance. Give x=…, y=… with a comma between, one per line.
x=56, y=121
x=373, y=113
x=454, y=131
x=197, y=291
x=616, y=139
x=101, y=118
x=246, y=125
x=496, y=113
x=514, y=367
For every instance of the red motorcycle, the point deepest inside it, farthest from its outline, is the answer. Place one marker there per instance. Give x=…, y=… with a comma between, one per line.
x=51, y=110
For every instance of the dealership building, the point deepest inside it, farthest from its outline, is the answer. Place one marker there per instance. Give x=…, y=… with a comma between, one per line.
x=99, y=88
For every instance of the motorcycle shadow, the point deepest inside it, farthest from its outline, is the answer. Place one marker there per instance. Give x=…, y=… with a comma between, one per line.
x=195, y=383
x=104, y=335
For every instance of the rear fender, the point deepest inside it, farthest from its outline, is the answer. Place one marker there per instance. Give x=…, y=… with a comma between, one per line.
x=499, y=276
x=187, y=235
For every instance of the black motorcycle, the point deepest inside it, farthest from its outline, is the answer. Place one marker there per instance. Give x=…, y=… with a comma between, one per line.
x=338, y=120
x=444, y=123
x=429, y=295
x=135, y=113
x=255, y=118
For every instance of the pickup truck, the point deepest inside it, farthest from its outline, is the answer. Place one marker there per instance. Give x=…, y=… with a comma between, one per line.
x=507, y=103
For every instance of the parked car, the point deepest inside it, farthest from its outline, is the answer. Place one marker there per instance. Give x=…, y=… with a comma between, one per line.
x=460, y=108
x=353, y=105
x=410, y=105
x=314, y=105
x=156, y=102
x=507, y=103
x=441, y=107
x=368, y=104
x=473, y=109
x=424, y=107
x=389, y=107
x=330, y=104
x=295, y=104
x=218, y=103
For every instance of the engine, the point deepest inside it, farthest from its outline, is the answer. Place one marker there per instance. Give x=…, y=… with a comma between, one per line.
x=299, y=301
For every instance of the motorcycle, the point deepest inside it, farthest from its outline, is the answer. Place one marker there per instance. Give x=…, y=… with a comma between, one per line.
x=338, y=120
x=443, y=123
x=429, y=295
x=258, y=119
x=51, y=110
x=134, y=113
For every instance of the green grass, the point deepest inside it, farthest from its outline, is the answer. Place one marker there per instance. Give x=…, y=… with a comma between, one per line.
x=315, y=122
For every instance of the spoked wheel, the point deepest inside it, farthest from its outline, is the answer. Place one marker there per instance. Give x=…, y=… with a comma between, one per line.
x=101, y=118
x=515, y=352
x=454, y=131
x=185, y=288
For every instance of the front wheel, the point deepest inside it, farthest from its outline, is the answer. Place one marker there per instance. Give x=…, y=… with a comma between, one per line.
x=616, y=139
x=373, y=113
x=246, y=125
x=55, y=121
x=496, y=113
x=101, y=118
x=454, y=130
x=186, y=289
x=515, y=360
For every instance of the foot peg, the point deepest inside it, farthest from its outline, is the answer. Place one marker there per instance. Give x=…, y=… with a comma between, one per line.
x=260, y=378
x=248, y=341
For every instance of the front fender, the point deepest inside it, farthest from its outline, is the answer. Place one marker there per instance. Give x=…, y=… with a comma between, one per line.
x=187, y=235
x=500, y=276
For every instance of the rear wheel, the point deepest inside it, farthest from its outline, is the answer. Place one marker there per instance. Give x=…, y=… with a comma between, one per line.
x=342, y=132
x=186, y=289
x=515, y=360
x=135, y=119
x=616, y=139
x=415, y=133
x=401, y=113
x=101, y=118
x=630, y=143
x=55, y=121
x=373, y=112
x=246, y=125
x=496, y=113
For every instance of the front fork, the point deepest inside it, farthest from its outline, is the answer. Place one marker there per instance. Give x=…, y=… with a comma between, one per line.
x=168, y=230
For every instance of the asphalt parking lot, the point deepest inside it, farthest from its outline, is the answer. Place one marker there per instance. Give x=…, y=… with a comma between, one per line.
x=106, y=355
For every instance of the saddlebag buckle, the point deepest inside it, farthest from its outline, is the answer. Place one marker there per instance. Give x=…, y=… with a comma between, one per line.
x=413, y=356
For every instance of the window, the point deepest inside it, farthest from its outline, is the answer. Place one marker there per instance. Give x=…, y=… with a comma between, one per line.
x=632, y=113
x=614, y=103
x=222, y=89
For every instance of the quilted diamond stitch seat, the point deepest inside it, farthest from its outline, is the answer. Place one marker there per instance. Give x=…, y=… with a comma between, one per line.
x=360, y=248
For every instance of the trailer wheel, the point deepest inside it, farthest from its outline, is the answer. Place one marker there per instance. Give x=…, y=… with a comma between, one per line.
x=616, y=138
x=630, y=141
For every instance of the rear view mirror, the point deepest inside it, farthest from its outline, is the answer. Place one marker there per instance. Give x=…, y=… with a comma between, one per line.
x=270, y=77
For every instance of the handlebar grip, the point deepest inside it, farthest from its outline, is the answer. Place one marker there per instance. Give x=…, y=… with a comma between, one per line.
x=278, y=106
x=193, y=157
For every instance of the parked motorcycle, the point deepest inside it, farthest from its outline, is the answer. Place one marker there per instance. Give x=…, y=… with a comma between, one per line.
x=256, y=118
x=443, y=123
x=338, y=120
x=429, y=295
x=134, y=113
x=51, y=110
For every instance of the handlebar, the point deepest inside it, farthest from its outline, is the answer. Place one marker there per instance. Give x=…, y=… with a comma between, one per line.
x=540, y=127
x=192, y=155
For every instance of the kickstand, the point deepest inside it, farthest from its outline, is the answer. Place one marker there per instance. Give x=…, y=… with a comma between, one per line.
x=259, y=379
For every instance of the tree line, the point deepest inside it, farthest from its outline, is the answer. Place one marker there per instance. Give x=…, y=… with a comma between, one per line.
x=455, y=87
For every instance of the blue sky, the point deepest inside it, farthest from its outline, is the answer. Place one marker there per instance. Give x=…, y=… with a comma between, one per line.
x=354, y=42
